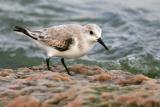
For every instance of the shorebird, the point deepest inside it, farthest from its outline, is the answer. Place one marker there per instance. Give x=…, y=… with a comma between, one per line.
x=65, y=41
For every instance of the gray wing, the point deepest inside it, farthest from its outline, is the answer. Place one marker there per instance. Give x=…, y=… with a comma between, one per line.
x=60, y=39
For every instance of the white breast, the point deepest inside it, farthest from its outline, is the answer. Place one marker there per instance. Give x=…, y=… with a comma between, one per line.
x=77, y=50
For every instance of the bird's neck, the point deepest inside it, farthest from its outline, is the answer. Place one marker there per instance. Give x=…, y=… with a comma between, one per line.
x=85, y=46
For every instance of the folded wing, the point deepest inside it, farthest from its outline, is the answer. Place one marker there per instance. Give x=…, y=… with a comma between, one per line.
x=59, y=39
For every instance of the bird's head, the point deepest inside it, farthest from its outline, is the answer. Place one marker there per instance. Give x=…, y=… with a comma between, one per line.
x=93, y=34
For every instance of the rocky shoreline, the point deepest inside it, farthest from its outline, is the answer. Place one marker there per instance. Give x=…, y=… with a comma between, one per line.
x=91, y=86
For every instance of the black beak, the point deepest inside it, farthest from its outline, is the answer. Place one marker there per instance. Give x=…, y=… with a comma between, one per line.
x=102, y=43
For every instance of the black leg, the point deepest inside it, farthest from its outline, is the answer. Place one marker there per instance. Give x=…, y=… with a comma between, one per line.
x=62, y=60
x=47, y=62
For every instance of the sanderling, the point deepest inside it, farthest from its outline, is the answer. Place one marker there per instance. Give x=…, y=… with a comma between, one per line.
x=65, y=41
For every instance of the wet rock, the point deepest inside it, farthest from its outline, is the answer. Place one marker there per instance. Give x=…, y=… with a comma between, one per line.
x=91, y=86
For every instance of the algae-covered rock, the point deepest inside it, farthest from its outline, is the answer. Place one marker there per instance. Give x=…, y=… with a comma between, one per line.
x=91, y=86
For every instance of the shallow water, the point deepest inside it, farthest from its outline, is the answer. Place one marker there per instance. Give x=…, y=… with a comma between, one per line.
x=130, y=29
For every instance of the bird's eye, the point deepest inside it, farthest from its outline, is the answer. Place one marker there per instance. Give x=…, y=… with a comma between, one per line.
x=91, y=32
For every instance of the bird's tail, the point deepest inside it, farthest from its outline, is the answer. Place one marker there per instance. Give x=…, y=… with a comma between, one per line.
x=23, y=30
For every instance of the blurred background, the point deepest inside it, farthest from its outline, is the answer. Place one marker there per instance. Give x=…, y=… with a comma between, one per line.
x=131, y=28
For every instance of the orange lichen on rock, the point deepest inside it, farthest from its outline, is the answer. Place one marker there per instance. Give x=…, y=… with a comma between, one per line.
x=36, y=77
x=5, y=72
x=128, y=99
x=55, y=99
x=140, y=98
x=51, y=75
x=88, y=70
x=59, y=77
x=149, y=102
x=77, y=102
x=135, y=79
x=101, y=77
x=92, y=87
x=24, y=101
